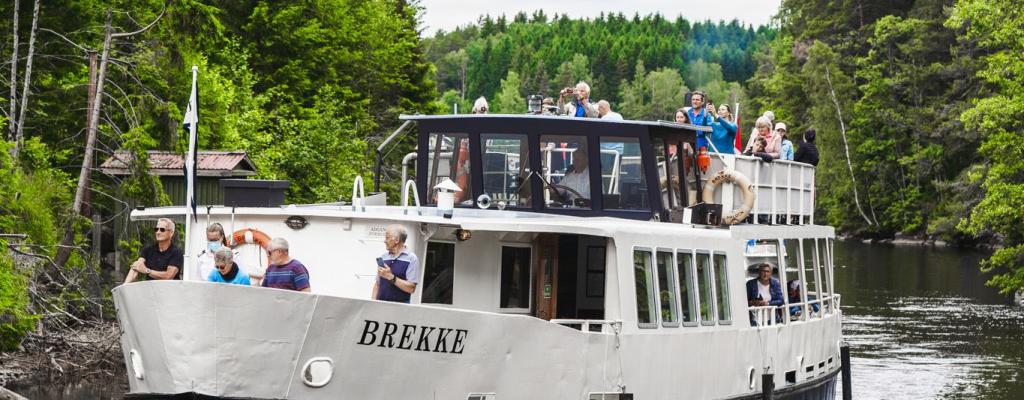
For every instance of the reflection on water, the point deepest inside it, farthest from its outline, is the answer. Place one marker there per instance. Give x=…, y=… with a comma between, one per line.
x=922, y=325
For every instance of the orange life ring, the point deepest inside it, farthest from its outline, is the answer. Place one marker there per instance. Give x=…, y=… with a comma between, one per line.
x=258, y=238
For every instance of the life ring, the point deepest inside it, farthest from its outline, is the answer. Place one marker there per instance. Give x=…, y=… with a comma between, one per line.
x=250, y=236
x=749, y=197
x=462, y=171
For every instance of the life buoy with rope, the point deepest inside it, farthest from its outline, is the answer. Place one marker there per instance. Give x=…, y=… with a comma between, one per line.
x=462, y=171
x=749, y=197
x=257, y=237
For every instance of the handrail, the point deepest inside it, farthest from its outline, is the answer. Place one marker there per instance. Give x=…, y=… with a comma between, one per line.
x=586, y=323
x=779, y=315
x=358, y=202
x=405, y=197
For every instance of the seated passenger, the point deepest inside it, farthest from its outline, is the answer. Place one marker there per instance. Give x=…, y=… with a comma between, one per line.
x=604, y=111
x=160, y=260
x=284, y=272
x=773, y=142
x=794, y=298
x=764, y=290
x=215, y=240
x=577, y=178
x=227, y=269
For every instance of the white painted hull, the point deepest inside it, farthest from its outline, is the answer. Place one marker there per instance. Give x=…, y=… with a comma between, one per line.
x=249, y=342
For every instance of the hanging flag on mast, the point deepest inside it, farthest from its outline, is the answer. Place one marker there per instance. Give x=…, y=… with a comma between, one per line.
x=191, y=124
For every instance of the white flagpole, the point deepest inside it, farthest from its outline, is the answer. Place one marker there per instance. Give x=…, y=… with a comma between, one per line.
x=192, y=119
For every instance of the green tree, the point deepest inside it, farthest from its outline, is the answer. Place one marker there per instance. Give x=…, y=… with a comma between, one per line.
x=509, y=100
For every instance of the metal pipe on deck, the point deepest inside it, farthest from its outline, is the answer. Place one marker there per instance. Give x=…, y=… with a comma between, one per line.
x=844, y=357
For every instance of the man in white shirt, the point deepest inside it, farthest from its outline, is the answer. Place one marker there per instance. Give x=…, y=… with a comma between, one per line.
x=604, y=111
x=576, y=178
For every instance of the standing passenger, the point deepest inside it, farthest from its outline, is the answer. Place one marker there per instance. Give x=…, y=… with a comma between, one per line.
x=284, y=272
x=807, y=152
x=215, y=240
x=480, y=106
x=398, y=270
x=786, y=152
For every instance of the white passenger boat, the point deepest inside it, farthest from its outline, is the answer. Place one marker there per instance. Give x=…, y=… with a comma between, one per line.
x=625, y=288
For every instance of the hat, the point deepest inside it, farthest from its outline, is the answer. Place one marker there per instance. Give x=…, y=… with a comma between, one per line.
x=780, y=125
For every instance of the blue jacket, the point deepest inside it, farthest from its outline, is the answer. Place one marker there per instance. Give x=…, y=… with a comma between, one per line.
x=723, y=136
x=774, y=287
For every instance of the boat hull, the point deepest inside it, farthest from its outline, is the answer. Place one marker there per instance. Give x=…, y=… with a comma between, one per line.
x=209, y=340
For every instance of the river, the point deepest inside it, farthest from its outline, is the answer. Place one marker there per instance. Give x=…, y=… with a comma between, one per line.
x=920, y=320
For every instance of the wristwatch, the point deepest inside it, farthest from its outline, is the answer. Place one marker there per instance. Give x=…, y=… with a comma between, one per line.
x=393, y=278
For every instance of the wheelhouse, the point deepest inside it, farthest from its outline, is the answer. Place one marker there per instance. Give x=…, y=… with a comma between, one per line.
x=572, y=166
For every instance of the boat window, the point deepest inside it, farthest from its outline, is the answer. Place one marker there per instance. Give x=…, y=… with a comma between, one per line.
x=668, y=172
x=722, y=288
x=438, y=273
x=622, y=175
x=505, y=167
x=566, y=170
x=793, y=273
x=707, y=311
x=667, y=289
x=684, y=271
x=812, y=272
x=515, y=277
x=448, y=157
x=825, y=247
x=643, y=274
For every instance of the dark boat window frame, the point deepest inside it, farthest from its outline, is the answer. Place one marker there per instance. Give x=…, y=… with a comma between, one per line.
x=534, y=127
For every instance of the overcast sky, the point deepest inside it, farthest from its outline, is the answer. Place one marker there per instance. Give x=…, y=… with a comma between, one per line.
x=448, y=14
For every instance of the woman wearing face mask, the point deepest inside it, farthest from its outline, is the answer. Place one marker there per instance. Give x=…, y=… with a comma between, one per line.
x=215, y=240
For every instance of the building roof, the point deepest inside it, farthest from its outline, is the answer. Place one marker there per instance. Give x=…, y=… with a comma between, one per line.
x=167, y=163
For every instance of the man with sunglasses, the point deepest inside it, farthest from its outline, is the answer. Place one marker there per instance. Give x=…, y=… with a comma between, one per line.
x=284, y=271
x=161, y=260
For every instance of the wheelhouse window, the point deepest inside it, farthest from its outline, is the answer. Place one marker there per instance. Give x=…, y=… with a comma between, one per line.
x=622, y=175
x=704, y=277
x=812, y=270
x=448, y=157
x=506, y=165
x=515, y=278
x=722, y=288
x=668, y=175
x=438, y=273
x=643, y=273
x=566, y=171
x=684, y=268
x=667, y=289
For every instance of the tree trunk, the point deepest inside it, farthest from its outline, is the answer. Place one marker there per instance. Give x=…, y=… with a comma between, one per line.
x=20, y=136
x=64, y=251
x=846, y=145
x=13, y=100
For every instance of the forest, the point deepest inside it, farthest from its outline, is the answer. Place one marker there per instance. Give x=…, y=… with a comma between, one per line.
x=918, y=107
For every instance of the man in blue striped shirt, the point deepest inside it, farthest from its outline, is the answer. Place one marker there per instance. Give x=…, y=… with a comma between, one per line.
x=398, y=270
x=284, y=272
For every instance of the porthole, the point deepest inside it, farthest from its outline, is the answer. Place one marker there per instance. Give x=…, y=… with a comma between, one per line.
x=317, y=372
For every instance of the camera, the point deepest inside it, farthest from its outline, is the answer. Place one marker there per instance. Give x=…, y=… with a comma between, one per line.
x=568, y=90
x=533, y=104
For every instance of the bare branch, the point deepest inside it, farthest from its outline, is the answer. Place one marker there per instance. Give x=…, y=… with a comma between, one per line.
x=71, y=42
x=20, y=135
x=146, y=28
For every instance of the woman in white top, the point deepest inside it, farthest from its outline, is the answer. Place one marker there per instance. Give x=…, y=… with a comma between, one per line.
x=215, y=240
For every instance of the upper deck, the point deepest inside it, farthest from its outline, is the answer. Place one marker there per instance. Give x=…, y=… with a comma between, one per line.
x=546, y=164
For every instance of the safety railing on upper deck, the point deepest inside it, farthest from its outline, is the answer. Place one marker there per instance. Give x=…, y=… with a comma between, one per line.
x=813, y=308
x=784, y=189
x=589, y=325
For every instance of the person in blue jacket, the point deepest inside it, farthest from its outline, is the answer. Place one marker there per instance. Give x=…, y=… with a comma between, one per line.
x=764, y=290
x=723, y=135
x=227, y=271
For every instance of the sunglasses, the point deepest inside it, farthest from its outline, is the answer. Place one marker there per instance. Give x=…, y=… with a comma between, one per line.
x=160, y=229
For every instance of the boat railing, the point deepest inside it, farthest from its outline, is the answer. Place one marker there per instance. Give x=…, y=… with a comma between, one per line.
x=785, y=189
x=819, y=307
x=591, y=325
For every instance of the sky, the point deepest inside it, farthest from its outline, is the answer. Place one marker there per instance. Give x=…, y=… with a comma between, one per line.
x=449, y=14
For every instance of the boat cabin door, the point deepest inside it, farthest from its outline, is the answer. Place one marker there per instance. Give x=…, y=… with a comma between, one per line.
x=546, y=282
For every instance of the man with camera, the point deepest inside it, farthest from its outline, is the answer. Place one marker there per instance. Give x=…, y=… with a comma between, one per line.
x=579, y=101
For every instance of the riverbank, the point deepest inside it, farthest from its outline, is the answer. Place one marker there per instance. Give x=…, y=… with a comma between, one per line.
x=85, y=352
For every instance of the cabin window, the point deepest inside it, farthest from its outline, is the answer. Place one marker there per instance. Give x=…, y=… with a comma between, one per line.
x=506, y=164
x=795, y=276
x=566, y=170
x=668, y=172
x=515, y=278
x=722, y=288
x=643, y=274
x=825, y=248
x=622, y=174
x=684, y=272
x=438, y=273
x=812, y=272
x=704, y=277
x=448, y=157
x=667, y=289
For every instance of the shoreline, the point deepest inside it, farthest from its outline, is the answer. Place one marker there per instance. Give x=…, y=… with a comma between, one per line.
x=85, y=353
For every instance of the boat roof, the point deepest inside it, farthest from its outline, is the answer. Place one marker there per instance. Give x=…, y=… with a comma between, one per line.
x=531, y=118
x=503, y=221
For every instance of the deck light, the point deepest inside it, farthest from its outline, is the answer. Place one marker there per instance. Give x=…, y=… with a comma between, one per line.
x=446, y=197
